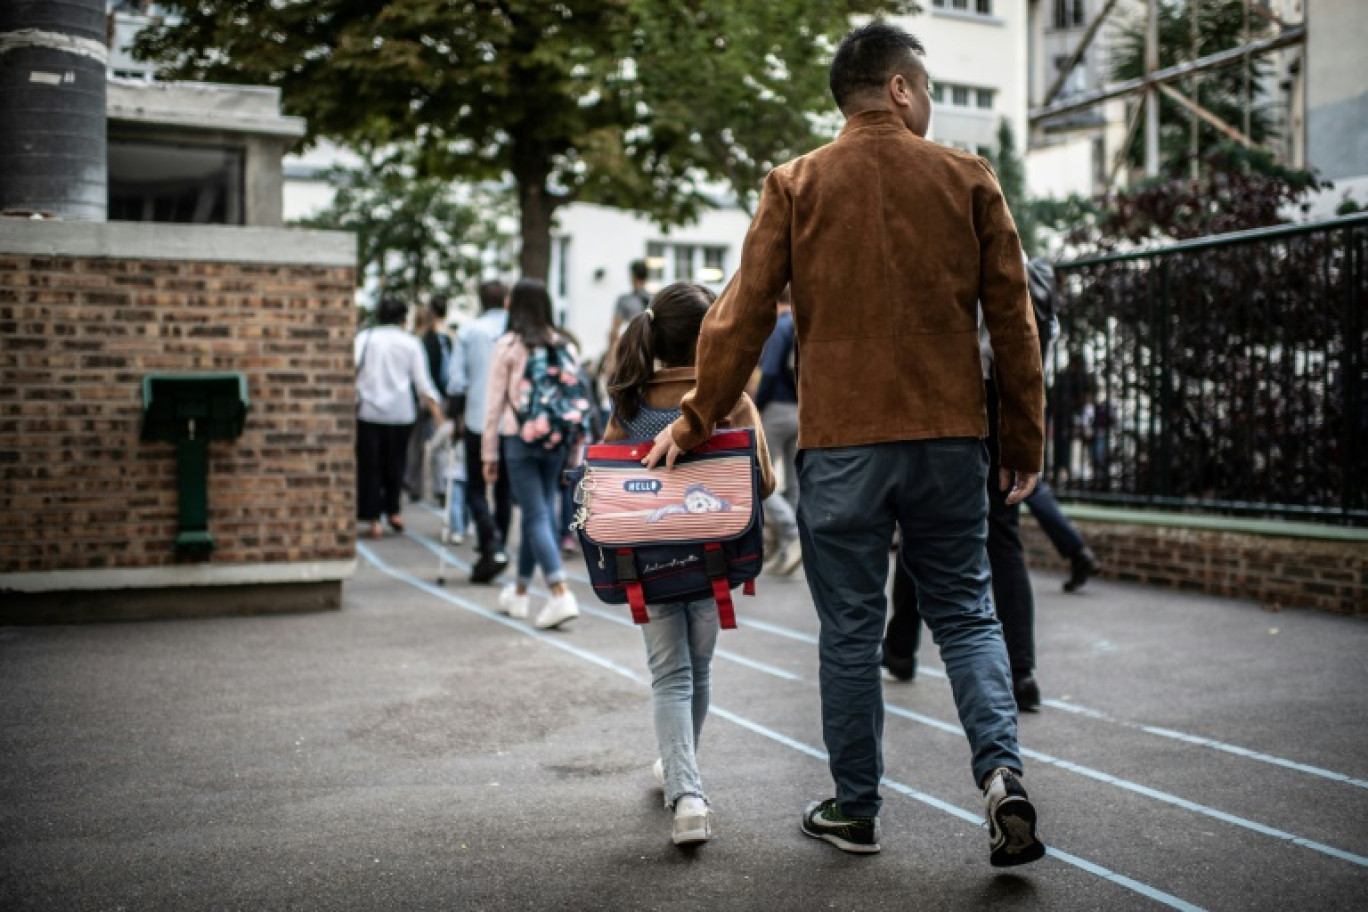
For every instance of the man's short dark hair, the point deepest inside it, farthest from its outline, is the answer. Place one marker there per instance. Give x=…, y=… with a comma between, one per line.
x=438, y=306
x=868, y=57
x=391, y=310
x=639, y=270
x=492, y=295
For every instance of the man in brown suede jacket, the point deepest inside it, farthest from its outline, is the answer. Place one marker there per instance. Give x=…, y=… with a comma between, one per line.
x=891, y=244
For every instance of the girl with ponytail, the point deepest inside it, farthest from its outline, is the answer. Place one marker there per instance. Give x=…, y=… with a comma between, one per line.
x=653, y=371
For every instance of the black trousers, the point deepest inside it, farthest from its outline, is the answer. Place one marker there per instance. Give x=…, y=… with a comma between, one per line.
x=1012, y=596
x=491, y=524
x=380, y=453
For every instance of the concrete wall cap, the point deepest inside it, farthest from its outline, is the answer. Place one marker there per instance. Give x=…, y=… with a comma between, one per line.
x=163, y=241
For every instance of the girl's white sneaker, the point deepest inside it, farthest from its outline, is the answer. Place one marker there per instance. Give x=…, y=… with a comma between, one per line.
x=692, y=821
x=512, y=604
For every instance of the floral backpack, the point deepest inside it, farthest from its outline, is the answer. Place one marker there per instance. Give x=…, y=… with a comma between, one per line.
x=552, y=404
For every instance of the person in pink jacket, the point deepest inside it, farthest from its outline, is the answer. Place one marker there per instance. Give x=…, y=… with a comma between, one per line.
x=533, y=468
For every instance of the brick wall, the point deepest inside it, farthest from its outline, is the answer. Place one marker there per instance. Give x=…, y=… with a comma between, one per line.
x=1271, y=570
x=78, y=490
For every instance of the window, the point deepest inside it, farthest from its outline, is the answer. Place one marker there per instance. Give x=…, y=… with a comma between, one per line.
x=684, y=263
x=1070, y=13
x=165, y=182
x=714, y=264
x=982, y=7
x=667, y=263
x=960, y=96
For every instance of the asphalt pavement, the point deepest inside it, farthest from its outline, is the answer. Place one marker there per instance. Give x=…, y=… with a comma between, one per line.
x=416, y=750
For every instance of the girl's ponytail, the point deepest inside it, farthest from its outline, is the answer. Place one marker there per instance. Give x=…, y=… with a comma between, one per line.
x=666, y=331
x=634, y=364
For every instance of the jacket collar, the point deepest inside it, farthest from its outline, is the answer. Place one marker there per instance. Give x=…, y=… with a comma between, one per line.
x=672, y=375
x=874, y=119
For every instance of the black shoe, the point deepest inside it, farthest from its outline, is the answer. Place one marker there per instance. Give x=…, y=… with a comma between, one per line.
x=904, y=668
x=1011, y=822
x=488, y=567
x=1027, y=692
x=1082, y=565
x=858, y=835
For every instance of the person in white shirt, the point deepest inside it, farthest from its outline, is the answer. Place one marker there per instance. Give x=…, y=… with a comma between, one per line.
x=391, y=367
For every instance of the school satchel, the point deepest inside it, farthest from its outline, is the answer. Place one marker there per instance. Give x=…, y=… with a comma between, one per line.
x=655, y=536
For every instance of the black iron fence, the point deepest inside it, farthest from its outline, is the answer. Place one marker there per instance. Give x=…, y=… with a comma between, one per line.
x=1227, y=374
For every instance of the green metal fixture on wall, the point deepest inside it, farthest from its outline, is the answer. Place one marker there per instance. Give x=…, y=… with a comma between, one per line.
x=189, y=410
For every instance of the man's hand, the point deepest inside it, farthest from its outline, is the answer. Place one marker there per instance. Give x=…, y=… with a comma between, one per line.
x=1019, y=485
x=491, y=472
x=664, y=446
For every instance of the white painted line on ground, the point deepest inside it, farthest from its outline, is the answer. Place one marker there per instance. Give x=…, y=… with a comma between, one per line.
x=1156, y=794
x=609, y=616
x=1066, y=857
x=1106, y=778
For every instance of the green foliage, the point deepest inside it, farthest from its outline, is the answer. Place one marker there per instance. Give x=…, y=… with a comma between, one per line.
x=625, y=102
x=1237, y=190
x=1011, y=175
x=414, y=235
x=1220, y=27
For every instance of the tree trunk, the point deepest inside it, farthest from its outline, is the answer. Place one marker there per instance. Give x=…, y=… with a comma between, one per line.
x=536, y=207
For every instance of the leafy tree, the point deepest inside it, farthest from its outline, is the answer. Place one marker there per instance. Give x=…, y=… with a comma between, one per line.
x=415, y=235
x=625, y=102
x=1221, y=25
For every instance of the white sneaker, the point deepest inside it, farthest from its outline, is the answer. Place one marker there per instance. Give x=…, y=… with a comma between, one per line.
x=512, y=604
x=557, y=610
x=692, y=821
x=788, y=558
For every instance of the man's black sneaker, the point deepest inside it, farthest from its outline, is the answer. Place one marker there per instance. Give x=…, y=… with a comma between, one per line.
x=1011, y=822
x=824, y=820
x=1081, y=566
x=904, y=668
x=488, y=567
x=1027, y=692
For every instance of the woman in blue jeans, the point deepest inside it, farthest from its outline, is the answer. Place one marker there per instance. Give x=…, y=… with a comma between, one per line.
x=534, y=468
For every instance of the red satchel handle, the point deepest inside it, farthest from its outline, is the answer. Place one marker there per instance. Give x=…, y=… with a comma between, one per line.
x=622, y=452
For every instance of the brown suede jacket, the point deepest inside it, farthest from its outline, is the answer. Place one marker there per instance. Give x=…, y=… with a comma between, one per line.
x=665, y=391
x=891, y=243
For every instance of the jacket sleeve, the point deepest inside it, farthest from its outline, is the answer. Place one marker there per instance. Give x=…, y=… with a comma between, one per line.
x=1007, y=313
x=496, y=398
x=737, y=325
x=744, y=415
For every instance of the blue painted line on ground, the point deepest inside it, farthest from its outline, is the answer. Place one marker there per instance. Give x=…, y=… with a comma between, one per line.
x=755, y=727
